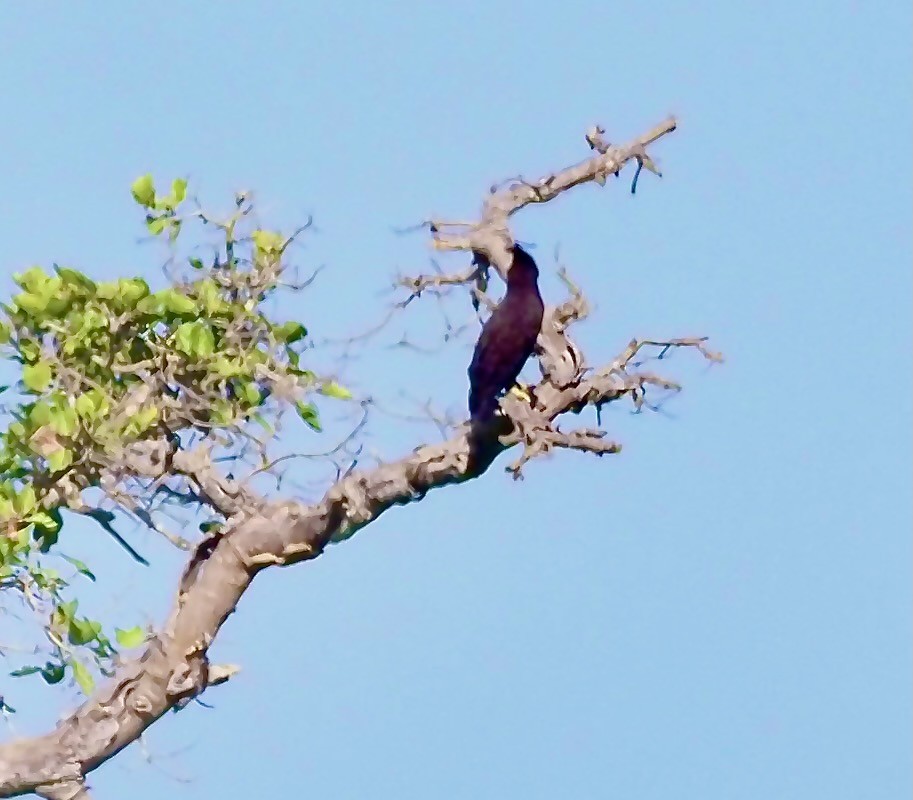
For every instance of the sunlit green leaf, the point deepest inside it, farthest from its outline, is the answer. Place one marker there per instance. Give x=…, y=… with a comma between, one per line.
x=33, y=280
x=333, y=389
x=155, y=225
x=75, y=278
x=60, y=459
x=178, y=303
x=63, y=419
x=227, y=367
x=37, y=376
x=267, y=241
x=195, y=339
x=178, y=189
x=250, y=393
x=143, y=190
x=85, y=406
x=131, y=637
x=210, y=297
x=82, y=676
x=25, y=500
x=34, y=304
x=131, y=290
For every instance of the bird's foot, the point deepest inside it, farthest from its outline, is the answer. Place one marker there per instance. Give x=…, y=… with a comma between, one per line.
x=522, y=391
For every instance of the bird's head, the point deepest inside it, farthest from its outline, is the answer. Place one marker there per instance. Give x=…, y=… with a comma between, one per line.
x=523, y=266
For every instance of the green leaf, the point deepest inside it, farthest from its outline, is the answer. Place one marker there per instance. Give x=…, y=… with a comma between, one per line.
x=25, y=500
x=60, y=459
x=209, y=295
x=227, y=368
x=65, y=612
x=195, y=339
x=250, y=393
x=33, y=280
x=29, y=350
x=53, y=673
x=178, y=303
x=81, y=566
x=92, y=405
x=131, y=637
x=37, y=376
x=48, y=538
x=131, y=290
x=33, y=304
x=72, y=277
x=46, y=521
x=21, y=673
x=155, y=225
x=145, y=418
x=221, y=412
x=333, y=389
x=83, y=631
x=85, y=406
x=83, y=676
x=290, y=332
x=178, y=190
x=63, y=418
x=263, y=422
x=211, y=526
x=268, y=241
x=143, y=190
x=308, y=413
x=152, y=305
x=5, y=333
x=40, y=413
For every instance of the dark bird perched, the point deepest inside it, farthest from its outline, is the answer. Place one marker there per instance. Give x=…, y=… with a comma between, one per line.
x=507, y=339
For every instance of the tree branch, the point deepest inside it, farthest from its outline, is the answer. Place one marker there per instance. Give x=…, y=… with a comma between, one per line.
x=173, y=668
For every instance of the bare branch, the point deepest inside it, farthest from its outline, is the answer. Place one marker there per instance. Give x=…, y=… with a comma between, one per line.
x=422, y=283
x=489, y=236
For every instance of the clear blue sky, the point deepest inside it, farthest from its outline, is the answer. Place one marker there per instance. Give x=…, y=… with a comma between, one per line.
x=723, y=610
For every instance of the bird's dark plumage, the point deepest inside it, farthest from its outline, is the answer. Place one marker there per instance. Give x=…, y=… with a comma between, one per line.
x=508, y=337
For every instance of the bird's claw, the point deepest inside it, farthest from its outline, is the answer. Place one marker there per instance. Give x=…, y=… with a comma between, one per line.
x=522, y=391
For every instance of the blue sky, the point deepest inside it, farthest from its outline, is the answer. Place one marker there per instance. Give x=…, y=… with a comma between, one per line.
x=721, y=611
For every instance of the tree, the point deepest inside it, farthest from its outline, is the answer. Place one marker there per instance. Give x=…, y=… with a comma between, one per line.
x=131, y=401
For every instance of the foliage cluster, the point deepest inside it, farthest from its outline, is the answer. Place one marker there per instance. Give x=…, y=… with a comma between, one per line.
x=105, y=366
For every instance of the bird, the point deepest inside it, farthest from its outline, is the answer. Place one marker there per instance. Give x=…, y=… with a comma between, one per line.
x=507, y=339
